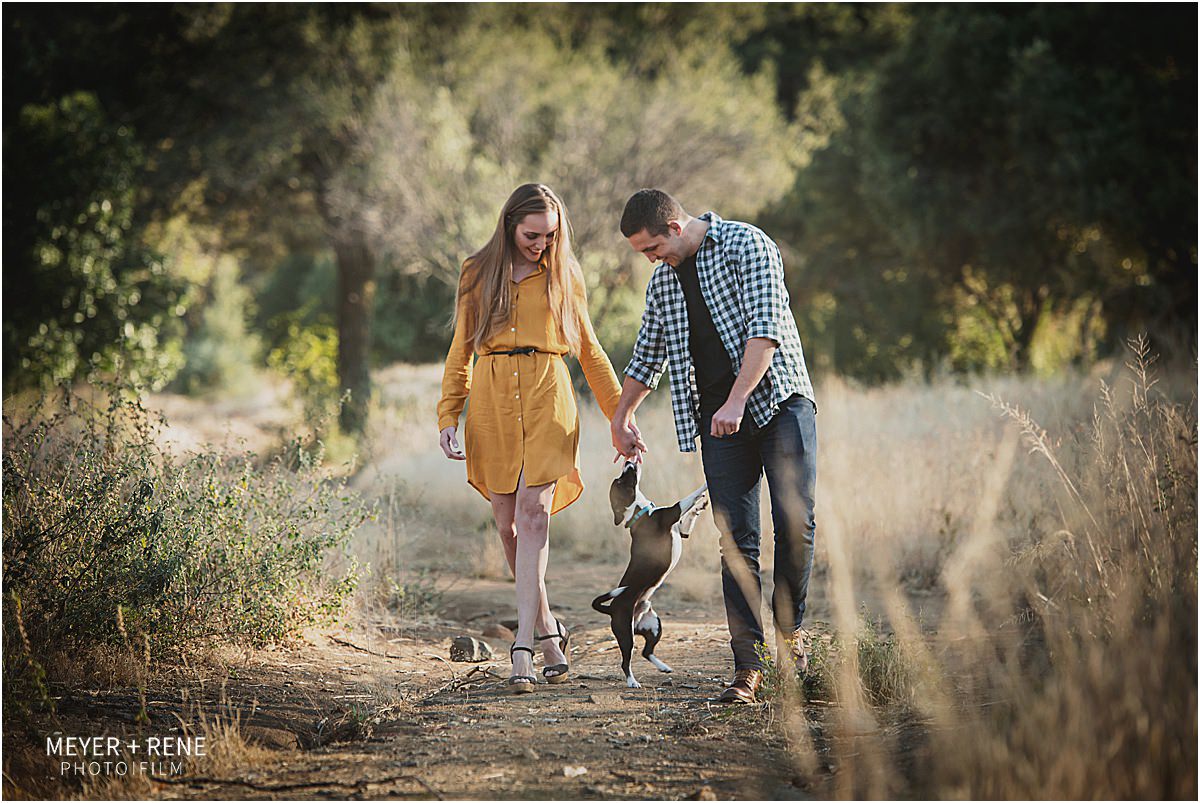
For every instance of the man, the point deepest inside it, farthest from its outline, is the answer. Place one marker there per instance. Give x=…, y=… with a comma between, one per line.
x=717, y=313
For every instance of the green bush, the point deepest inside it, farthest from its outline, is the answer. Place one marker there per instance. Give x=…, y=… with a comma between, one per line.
x=884, y=675
x=100, y=523
x=219, y=354
x=308, y=356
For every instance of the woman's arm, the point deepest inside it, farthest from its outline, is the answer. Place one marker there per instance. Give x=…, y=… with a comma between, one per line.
x=456, y=378
x=597, y=368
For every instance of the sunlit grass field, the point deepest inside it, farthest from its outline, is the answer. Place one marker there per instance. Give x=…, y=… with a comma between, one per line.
x=1005, y=580
x=1007, y=564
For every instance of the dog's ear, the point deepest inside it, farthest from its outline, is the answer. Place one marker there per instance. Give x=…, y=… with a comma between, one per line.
x=665, y=517
x=618, y=517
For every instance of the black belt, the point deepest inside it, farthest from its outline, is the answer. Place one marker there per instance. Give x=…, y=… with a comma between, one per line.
x=522, y=350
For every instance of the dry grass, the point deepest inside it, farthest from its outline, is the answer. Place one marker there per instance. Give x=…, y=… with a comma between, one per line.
x=227, y=755
x=1062, y=663
x=1009, y=564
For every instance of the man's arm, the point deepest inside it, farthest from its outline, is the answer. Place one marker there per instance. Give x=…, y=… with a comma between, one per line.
x=641, y=376
x=625, y=436
x=766, y=302
x=764, y=290
x=755, y=362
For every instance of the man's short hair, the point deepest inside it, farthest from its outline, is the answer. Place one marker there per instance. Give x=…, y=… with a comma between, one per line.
x=649, y=211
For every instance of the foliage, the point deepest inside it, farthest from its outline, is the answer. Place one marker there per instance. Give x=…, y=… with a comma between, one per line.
x=297, y=288
x=1133, y=503
x=308, y=356
x=868, y=662
x=1057, y=656
x=98, y=519
x=1098, y=654
x=267, y=97
x=220, y=354
x=414, y=318
x=445, y=144
x=970, y=187
x=91, y=295
x=412, y=598
x=962, y=206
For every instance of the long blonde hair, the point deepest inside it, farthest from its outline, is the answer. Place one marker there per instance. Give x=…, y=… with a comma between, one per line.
x=484, y=290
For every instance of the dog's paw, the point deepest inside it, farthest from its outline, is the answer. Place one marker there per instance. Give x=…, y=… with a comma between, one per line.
x=632, y=683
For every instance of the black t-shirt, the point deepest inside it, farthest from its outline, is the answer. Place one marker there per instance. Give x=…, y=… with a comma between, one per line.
x=714, y=373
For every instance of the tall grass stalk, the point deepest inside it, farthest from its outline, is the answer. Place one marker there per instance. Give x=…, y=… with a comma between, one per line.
x=1063, y=663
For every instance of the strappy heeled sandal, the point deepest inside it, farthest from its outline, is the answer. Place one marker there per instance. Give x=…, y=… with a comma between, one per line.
x=560, y=671
x=521, y=684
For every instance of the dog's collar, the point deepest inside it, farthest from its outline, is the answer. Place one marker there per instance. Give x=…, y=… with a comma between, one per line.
x=637, y=514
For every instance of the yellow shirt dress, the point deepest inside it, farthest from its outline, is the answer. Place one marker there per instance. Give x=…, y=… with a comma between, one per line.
x=522, y=414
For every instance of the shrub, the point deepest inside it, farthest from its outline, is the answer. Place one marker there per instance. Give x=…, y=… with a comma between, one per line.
x=99, y=520
x=93, y=295
x=1061, y=660
x=869, y=658
x=308, y=356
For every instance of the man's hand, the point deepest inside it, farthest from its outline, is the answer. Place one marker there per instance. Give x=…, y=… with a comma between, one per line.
x=728, y=419
x=755, y=361
x=627, y=440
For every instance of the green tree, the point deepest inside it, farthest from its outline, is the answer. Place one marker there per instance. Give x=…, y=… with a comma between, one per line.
x=1034, y=154
x=515, y=104
x=247, y=112
x=987, y=179
x=83, y=292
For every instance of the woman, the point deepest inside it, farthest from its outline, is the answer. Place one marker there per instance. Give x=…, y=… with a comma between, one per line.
x=521, y=307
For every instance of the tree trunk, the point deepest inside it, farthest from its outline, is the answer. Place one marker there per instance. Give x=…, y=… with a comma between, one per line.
x=355, y=302
x=1031, y=307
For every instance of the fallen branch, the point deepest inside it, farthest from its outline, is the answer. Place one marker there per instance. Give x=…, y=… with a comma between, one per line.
x=457, y=683
x=354, y=646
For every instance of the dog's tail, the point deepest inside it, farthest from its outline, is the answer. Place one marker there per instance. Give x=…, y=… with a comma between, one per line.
x=602, y=602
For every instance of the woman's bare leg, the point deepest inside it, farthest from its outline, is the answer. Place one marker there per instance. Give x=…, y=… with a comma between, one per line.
x=533, y=550
x=504, y=508
x=527, y=513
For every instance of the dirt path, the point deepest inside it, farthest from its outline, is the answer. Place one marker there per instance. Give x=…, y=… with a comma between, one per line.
x=377, y=712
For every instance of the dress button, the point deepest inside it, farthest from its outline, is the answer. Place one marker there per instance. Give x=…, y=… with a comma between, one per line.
x=514, y=373
x=517, y=396
x=513, y=329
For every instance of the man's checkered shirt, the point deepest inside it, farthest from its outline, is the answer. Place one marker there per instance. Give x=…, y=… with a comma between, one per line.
x=741, y=280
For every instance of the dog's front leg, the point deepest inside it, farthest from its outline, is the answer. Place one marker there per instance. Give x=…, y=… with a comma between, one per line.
x=686, y=503
x=692, y=506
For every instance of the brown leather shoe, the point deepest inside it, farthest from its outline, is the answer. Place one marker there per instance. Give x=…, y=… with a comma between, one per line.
x=744, y=687
x=797, y=647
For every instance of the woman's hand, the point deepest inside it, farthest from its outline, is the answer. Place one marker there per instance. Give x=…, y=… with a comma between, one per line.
x=449, y=443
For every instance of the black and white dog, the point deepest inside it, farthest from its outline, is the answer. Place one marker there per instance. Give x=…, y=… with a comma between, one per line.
x=656, y=534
